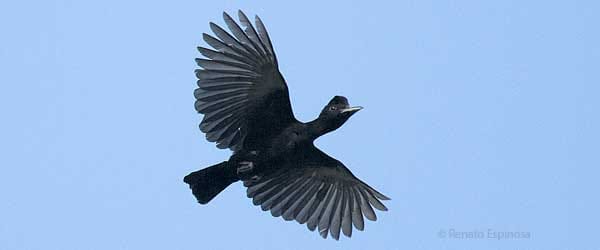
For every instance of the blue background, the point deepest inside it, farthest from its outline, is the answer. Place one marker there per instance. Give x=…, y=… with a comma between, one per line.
x=478, y=115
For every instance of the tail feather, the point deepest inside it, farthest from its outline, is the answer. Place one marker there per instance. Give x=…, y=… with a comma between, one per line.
x=209, y=182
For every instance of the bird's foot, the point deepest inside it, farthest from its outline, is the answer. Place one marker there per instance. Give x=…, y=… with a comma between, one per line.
x=245, y=167
x=245, y=170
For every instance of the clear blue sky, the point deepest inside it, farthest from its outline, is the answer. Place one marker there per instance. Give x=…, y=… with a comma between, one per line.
x=479, y=115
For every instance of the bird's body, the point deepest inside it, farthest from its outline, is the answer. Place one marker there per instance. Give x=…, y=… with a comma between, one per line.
x=291, y=148
x=246, y=107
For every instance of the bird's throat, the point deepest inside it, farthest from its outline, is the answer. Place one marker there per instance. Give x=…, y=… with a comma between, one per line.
x=318, y=127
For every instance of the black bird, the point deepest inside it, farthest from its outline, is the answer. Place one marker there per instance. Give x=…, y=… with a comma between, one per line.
x=246, y=108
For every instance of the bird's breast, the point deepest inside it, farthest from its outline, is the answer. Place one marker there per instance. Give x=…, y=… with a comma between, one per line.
x=287, y=142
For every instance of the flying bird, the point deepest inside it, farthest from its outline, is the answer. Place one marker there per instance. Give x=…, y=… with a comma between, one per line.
x=246, y=108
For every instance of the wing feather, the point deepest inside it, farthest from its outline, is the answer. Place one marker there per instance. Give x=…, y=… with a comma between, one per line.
x=238, y=77
x=319, y=191
x=223, y=65
x=264, y=37
x=231, y=41
x=239, y=33
x=300, y=199
x=318, y=213
x=281, y=203
x=336, y=220
x=326, y=215
x=364, y=205
x=251, y=32
x=347, y=218
x=222, y=56
x=306, y=211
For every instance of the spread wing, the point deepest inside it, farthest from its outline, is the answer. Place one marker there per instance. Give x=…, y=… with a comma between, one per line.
x=322, y=193
x=240, y=90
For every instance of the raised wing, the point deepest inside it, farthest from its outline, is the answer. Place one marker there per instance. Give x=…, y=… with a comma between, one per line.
x=322, y=193
x=240, y=90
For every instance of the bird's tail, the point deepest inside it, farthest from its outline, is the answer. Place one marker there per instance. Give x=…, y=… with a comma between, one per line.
x=209, y=182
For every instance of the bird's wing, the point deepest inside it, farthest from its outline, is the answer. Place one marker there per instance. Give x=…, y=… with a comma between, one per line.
x=322, y=193
x=240, y=89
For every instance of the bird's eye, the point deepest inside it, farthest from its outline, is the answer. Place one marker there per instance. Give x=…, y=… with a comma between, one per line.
x=332, y=108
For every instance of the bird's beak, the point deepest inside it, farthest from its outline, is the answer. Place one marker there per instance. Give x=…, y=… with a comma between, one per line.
x=351, y=110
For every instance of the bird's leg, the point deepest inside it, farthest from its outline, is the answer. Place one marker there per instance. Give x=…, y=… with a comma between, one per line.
x=246, y=171
x=246, y=166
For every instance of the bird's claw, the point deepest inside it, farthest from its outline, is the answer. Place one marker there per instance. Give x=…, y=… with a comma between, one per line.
x=245, y=170
x=245, y=167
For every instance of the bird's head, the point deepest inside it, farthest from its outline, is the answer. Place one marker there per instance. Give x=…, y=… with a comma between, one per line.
x=337, y=112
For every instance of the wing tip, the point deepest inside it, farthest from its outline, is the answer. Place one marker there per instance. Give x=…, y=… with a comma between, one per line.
x=226, y=16
x=206, y=36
